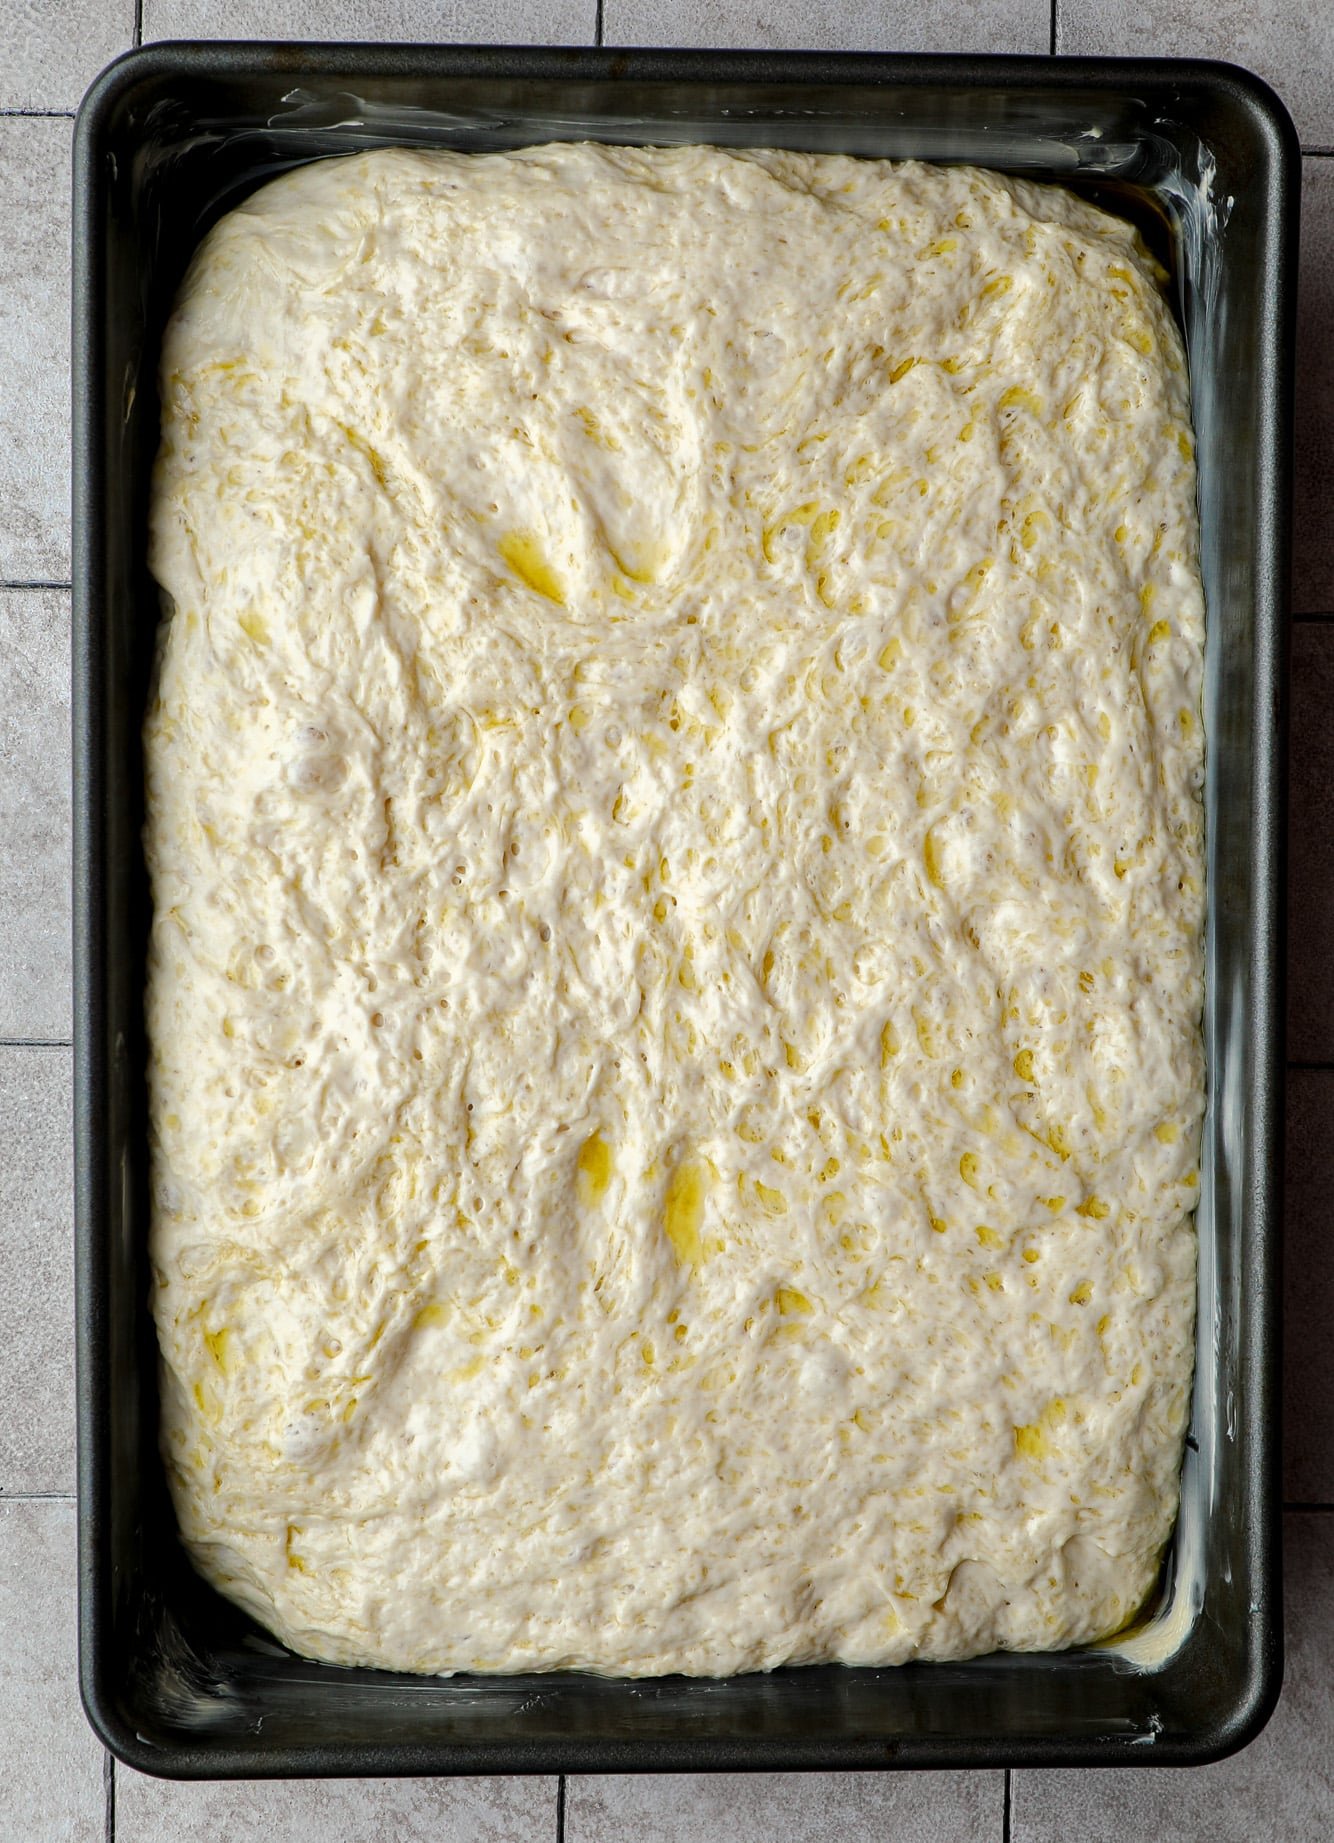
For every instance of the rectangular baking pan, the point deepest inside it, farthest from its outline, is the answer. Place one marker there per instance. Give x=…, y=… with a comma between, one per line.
x=175, y=1680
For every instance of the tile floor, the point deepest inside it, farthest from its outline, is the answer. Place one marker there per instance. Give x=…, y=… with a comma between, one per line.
x=54, y=1782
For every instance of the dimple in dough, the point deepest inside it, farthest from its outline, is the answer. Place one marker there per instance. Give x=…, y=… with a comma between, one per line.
x=675, y=831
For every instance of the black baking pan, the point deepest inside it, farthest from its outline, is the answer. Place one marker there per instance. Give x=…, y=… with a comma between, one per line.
x=175, y=1680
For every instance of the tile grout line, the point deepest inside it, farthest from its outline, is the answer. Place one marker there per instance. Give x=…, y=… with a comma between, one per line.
x=138, y=22
x=598, y=24
x=1007, y=1809
x=36, y=115
x=36, y=1042
x=109, y=1794
x=1052, y=46
x=37, y=1497
x=36, y=582
x=560, y=1808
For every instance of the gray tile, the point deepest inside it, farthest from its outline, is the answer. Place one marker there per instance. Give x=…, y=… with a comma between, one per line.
x=844, y=25
x=34, y=814
x=36, y=1272
x=54, y=48
x=336, y=1811
x=1290, y=43
x=504, y=22
x=1311, y=845
x=793, y=1807
x=51, y=1787
x=34, y=349
x=1308, y=1284
x=1313, y=496
x=1281, y=1787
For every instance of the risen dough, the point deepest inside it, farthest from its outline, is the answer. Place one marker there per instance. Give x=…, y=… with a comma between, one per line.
x=677, y=863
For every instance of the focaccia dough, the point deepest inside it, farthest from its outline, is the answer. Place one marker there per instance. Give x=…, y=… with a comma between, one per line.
x=675, y=829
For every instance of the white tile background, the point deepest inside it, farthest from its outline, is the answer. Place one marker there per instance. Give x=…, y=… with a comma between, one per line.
x=55, y=1785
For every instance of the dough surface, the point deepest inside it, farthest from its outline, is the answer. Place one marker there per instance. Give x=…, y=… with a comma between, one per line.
x=675, y=832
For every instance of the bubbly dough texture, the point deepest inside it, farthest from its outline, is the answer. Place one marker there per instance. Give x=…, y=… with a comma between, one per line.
x=676, y=970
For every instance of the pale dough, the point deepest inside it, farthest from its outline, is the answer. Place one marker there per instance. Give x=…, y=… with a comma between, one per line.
x=675, y=829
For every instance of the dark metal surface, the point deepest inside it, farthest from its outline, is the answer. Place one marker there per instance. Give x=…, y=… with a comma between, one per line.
x=175, y=1680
